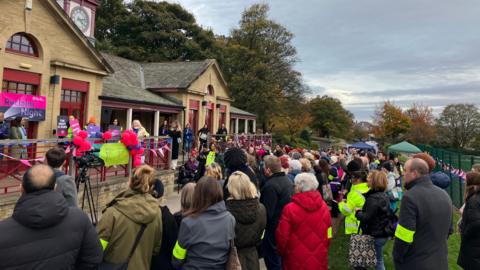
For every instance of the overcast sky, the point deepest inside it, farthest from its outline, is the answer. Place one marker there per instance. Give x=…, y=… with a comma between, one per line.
x=364, y=52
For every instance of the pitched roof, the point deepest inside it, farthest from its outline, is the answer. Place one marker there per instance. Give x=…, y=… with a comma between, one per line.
x=79, y=34
x=178, y=75
x=127, y=83
x=235, y=110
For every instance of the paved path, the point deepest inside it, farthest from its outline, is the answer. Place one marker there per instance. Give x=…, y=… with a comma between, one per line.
x=173, y=203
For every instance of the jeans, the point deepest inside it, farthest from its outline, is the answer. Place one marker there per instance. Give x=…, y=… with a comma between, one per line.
x=188, y=146
x=273, y=261
x=379, y=244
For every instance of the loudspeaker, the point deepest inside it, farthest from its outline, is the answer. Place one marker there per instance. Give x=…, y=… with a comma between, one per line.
x=55, y=79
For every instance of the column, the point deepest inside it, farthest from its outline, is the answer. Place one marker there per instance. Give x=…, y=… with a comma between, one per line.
x=129, y=118
x=156, y=123
x=254, y=126
x=246, y=126
x=236, y=125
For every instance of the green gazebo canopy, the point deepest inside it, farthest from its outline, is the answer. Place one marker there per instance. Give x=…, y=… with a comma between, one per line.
x=404, y=147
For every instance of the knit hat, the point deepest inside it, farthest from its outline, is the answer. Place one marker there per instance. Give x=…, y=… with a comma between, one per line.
x=440, y=179
x=296, y=155
x=92, y=120
x=354, y=165
x=284, y=161
x=158, y=189
x=235, y=158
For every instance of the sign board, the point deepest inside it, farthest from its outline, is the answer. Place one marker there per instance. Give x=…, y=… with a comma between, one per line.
x=62, y=126
x=75, y=126
x=25, y=106
x=116, y=130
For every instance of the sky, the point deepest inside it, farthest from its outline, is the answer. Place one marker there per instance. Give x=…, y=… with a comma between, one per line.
x=365, y=52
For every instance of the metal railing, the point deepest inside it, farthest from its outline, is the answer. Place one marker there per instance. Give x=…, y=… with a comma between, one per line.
x=16, y=156
x=455, y=165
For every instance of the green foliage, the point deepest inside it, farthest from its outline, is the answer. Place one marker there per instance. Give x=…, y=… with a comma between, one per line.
x=458, y=125
x=330, y=118
x=258, y=64
x=390, y=122
x=152, y=32
x=305, y=135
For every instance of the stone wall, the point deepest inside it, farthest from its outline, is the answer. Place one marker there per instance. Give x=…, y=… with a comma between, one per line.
x=102, y=193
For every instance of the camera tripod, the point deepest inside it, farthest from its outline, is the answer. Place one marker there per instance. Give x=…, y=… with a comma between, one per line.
x=84, y=178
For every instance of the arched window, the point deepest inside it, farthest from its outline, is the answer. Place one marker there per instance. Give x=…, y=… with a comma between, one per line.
x=22, y=43
x=211, y=92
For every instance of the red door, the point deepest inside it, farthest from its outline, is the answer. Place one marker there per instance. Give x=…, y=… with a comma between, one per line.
x=73, y=99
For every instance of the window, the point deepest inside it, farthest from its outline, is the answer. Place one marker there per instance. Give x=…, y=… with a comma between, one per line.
x=21, y=43
x=210, y=89
x=19, y=88
x=72, y=96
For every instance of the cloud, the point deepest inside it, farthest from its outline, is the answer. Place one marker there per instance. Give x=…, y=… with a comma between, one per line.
x=364, y=52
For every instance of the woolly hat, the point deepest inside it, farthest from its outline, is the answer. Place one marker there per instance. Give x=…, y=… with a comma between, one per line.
x=440, y=179
x=92, y=120
x=284, y=161
x=355, y=165
x=296, y=155
x=158, y=189
x=235, y=158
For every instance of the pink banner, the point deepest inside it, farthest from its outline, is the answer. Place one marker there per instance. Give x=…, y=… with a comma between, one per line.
x=20, y=105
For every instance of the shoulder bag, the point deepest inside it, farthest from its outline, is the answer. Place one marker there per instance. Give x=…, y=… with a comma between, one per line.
x=233, y=262
x=361, y=252
x=124, y=265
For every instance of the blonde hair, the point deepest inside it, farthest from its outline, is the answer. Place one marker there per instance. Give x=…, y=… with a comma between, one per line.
x=137, y=121
x=214, y=170
x=306, y=165
x=240, y=187
x=186, y=197
x=378, y=180
x=142, y=179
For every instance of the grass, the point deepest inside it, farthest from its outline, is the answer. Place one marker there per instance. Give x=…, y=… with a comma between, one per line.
x=339, y=251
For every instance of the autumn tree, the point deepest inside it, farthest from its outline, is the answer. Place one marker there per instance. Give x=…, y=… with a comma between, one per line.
x=258, y=64
x=422, y=130
x=459, y=124
x=292, y=119
x=330, y=118
x=390, y=122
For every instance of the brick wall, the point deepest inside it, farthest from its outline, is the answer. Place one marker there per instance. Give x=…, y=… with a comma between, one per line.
x=102, y=193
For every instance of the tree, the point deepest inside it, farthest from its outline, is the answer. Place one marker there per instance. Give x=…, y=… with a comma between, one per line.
x=390, y=122
x=258, y=64
x=152, y=31
x=459, y=124
x=423, y=129
x=330, y=118
x=293, y=119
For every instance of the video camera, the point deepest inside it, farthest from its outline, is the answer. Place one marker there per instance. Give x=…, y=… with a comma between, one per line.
x=89, y=160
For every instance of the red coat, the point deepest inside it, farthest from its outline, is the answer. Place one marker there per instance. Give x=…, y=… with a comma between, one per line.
x=304, y=232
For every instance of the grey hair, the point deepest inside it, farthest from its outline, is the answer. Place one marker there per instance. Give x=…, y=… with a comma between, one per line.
x=306, y=182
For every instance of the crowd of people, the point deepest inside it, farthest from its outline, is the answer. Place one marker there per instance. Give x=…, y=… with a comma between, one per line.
x=283, y=205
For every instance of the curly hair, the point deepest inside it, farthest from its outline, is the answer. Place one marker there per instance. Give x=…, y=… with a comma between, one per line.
x=142, y=179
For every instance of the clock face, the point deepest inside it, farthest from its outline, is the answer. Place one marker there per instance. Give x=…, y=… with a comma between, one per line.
x=80, y=17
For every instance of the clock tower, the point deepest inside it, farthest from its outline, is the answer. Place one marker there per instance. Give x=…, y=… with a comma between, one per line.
x=82, y=13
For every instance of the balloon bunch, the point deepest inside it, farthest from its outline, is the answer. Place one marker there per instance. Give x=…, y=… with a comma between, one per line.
x=81, y=143
x=130, y=140
x=106, y=136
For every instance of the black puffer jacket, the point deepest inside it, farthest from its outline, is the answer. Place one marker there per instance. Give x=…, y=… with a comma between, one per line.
x=251, y=219
x=469, y=257
x=374, y=215
x=43, y=233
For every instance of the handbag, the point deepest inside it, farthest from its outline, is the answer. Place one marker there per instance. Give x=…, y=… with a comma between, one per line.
x=361, y=252
x=124, y=265
x=233, y=262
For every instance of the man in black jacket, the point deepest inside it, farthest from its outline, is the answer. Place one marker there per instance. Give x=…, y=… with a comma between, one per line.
x=43, y=232
x=425, y=222
x=275, y=194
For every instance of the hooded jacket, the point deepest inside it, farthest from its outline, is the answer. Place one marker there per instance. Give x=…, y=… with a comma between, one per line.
x=355, y=199
x=120, y=224
x=251, y=219
x=470, y=231
x=304, y=232
x=236, y=160
x=204, y=240
x=423, y=228
x=44, y=233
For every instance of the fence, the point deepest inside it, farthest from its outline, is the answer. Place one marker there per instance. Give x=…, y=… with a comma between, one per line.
x=16, y=156
x=455, y=165
x=243, y=141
